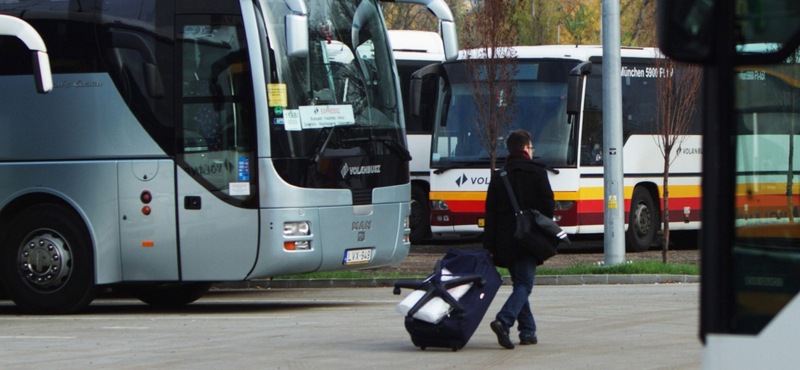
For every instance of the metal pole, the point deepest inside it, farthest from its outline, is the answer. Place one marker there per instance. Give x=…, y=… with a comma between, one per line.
x=614, y=201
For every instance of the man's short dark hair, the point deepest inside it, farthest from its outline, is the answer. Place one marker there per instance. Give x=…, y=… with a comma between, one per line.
x=517, y=141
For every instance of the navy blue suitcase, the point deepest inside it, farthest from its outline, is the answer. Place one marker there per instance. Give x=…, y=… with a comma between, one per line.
x=455, y=330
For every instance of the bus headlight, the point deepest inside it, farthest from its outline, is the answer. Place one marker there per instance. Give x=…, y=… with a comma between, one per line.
x=439, y=205
x=407, y=223
x=562, y=205
x=298, y=228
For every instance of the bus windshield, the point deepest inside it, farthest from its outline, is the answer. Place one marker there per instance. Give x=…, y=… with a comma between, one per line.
x=541, y=92
x=340, y=97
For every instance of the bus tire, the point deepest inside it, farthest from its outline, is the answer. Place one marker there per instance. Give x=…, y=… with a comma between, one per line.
x=642, y=221
x=170, y=295
x=420, y=218
x=47, y=261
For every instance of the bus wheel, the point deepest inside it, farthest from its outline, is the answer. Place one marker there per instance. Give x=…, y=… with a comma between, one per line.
x=642, y=221
x=47, y=263
x=170, y=295
x=420, y=218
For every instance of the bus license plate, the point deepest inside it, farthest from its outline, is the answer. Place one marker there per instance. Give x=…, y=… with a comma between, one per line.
x=356, y=256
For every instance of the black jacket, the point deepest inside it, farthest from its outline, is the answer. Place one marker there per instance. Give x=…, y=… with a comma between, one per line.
x=532, y=188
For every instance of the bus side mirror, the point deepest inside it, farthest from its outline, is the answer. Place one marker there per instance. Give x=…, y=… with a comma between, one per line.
x=575, y=87
x=447, y=25
x=450, y=40
x=134, y=41
x=415, y=91
x=685, y=29
x=296, y=35
x=41, y=72
x=417, y=85
x=13, y=26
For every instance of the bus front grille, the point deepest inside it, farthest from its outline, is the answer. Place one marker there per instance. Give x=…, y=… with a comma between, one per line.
x=362, y=197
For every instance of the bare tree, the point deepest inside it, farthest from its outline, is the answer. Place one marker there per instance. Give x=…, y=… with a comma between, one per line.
x=491, y=67
x=404, y=16
x=677, y=90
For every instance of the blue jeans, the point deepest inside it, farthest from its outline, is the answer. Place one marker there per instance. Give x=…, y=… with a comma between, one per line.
x=517, y=308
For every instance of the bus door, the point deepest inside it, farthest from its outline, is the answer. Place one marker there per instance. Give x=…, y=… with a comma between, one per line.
x=217, y=192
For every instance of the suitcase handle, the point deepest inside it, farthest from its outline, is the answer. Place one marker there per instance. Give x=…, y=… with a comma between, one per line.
x=435, y=287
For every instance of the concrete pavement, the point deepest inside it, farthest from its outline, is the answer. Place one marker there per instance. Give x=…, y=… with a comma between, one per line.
x=614, y=327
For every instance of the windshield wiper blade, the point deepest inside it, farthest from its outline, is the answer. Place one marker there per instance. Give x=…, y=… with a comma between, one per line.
x=546, y=167
x=324, y=146
x=390, y=143
x=452, y=165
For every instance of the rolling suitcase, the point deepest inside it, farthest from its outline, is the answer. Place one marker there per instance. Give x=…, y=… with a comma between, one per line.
x=463, y=315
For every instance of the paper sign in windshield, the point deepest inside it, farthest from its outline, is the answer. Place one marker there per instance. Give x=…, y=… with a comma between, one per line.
x=319, y=116
x=291, y=120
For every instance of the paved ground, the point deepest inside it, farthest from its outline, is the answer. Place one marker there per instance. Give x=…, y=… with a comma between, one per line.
x=598, y=327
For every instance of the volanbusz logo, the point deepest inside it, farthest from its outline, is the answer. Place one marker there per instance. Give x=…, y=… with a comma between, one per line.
x=461, y=180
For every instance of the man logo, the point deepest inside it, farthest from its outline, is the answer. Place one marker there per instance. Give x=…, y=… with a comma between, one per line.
x=461, y=180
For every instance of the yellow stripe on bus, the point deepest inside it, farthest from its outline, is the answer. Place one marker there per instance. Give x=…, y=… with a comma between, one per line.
x=766, y=188
x=678, y=191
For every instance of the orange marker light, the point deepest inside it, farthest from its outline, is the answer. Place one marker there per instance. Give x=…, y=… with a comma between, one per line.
x=148, y=243
x=146, y=210
x=289, y=246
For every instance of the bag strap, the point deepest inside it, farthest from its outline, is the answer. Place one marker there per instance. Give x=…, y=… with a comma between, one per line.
x=510, y=192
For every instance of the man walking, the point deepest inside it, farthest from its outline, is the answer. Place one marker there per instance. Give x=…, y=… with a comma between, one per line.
x=532, y=189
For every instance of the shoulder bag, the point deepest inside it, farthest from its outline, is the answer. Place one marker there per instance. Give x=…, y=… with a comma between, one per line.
x=535, y=232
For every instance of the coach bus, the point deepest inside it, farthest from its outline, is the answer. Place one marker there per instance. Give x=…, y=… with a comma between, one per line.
x=188, y=142
x=750, y=242
x=568, y=141
x=412, y=51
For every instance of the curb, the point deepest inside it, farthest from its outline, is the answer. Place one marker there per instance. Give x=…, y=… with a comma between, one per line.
x=389, y=282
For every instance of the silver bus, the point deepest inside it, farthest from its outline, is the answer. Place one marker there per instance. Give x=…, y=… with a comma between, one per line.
x=189, y=142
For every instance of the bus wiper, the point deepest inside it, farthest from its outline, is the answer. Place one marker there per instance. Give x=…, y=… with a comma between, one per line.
x=390, y=143
x=546, y=167
x=321, y=150
x=324, y=146
x=452, y=165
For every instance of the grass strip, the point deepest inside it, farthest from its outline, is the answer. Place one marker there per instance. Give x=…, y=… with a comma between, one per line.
x=631, y=268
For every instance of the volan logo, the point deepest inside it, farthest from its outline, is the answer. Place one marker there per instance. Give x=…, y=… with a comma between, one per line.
x=461, y=180
x=479, y=180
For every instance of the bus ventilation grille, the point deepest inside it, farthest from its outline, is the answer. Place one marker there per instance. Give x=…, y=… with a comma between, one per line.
x=361, y=197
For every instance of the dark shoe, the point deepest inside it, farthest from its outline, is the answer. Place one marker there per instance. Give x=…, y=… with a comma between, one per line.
x=502, y=334
x=527, y=341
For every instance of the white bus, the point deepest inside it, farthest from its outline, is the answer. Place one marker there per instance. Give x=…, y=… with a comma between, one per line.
x=188, y=142
x=568, y=140
x=412, y=51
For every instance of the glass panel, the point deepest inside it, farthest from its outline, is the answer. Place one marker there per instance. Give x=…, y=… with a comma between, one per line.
x=541, y=109
x=217, y=106
x=766, y=253
x=348, y=69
